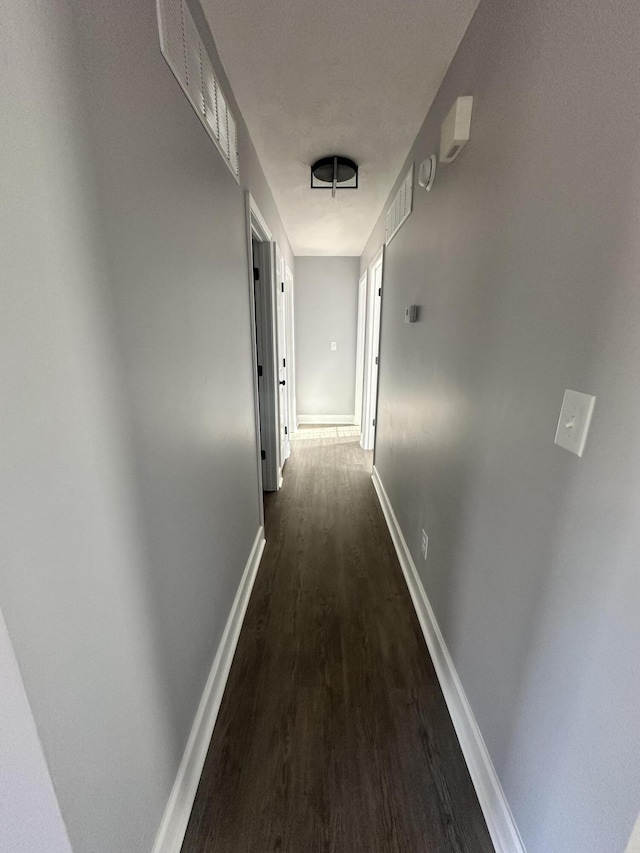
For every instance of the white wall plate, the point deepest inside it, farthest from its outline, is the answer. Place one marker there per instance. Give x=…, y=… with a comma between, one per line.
x=573, y=425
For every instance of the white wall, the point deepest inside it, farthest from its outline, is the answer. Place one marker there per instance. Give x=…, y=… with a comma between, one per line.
x=326, y=306
x=30, y=818
x=128, y=464
x=633, y=845
x=524, y=260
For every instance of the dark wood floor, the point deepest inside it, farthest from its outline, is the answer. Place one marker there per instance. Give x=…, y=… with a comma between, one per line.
x=333, y=735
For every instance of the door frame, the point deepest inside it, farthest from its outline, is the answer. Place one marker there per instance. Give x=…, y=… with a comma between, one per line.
x=372, y=350
x=263, y=325
x=282, y=361
x=360, y=339
x=291, y=355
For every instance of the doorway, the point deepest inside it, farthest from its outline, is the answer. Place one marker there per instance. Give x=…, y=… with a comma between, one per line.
x=360, y=341
x=264, y=349
x=373, y=310
x=272, y=363
x=291, y=355
x=283, y=361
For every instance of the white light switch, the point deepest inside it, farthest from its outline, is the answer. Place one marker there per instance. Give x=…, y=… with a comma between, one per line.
x=575, y=417
x=334, y=346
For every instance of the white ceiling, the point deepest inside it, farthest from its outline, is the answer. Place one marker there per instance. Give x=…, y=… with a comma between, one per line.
x=351, y=77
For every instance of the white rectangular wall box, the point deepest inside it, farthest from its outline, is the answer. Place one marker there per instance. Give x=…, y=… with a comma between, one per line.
x=575, y=418
x=456, y=129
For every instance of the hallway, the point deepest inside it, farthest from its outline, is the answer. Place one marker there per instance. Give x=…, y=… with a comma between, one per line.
x=333, y=734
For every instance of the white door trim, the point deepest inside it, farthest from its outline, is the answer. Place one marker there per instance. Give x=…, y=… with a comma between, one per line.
x=262, y=228
x=372, y=348
x=282, y=359
x=252, y=215
x=265, y=395
x=360, y=338
x=291, y=354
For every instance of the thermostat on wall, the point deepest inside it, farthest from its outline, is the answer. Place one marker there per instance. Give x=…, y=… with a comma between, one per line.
x=456, y=129
x=427, y=172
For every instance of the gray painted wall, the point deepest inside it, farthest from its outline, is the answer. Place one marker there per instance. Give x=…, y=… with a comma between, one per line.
x=524, y=259
x=326, y=309
x=128, y=452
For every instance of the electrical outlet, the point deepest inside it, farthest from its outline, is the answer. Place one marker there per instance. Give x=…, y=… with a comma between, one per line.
x=424, y=544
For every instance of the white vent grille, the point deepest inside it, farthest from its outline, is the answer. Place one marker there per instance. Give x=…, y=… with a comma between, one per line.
x=172, y=37
x=232, y=130
x=223, y=137
x=187, y=57
x=209, y=87
x=401, y=207
x=192, y=51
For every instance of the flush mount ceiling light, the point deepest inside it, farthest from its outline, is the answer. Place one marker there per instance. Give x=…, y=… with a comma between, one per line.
x=334, y=173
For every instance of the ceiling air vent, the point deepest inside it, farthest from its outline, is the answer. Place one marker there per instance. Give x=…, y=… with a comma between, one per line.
x=187, y=57
x=401, y=206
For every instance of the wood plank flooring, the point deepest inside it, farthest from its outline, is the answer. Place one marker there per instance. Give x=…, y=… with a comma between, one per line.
x=333, y=735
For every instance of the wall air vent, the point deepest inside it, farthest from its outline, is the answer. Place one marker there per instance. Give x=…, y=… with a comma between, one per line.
x=187, y=57
x=401, y=207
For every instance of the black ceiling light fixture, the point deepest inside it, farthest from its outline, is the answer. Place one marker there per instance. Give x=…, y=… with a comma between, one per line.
x=334, y=173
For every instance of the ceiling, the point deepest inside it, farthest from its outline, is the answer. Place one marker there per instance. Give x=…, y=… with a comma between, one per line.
x=350, y=77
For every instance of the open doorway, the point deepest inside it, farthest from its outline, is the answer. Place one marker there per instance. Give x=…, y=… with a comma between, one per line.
x=360, y=342
x=372, y=309
x=291, y=355
x=264, y=349
x=283, y=360
x=272, y=363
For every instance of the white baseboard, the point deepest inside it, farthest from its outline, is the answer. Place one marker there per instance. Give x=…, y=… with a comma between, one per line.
x=176, y=815
x=500, y=822
x=327, y=420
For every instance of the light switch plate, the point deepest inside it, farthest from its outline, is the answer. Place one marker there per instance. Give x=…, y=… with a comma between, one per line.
x=573, y=425
x=334, y=346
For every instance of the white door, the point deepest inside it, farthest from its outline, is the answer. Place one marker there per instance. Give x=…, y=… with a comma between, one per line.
x=360, y=341
x=283, y=384
x=265, y=410
x=264, y=280
x=291, y=350
x=370, y=391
